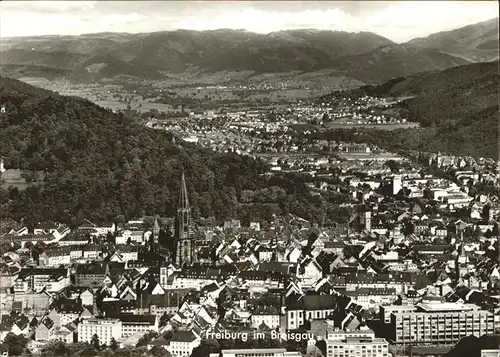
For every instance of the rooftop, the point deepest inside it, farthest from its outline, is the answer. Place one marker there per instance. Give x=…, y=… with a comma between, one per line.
x=444, y=306
x=255, y=351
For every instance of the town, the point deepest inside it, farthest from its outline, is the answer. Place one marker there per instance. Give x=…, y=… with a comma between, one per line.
x=412, y=268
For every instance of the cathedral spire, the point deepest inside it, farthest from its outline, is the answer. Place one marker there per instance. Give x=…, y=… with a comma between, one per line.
x=183, y=197
x=185, y=250
x=156, y=229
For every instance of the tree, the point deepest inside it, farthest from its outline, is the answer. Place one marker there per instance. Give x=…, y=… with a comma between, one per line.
x=321, y=345
x=205, y=348
x=113, y=344
x=164, y=319
x=485, y=215
x=146, y=339
x=95, y=342
x=408, y=228
x=57, y=348
x=158, y=351
x=15, y=344
x=110, y=238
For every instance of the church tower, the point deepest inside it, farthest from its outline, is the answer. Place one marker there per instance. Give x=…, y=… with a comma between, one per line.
x=184, y=250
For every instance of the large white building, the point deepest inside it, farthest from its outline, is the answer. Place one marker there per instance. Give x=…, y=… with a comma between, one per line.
x=357, y=346
x=437, y=322
x=105, y=329
x=260, y=352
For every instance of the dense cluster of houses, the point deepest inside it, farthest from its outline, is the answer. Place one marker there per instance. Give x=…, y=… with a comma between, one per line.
x=287, y=278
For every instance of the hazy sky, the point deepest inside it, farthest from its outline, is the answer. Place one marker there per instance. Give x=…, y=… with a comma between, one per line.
x=398, y=21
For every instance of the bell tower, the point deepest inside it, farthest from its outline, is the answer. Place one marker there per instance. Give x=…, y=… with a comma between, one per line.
x=184, y=250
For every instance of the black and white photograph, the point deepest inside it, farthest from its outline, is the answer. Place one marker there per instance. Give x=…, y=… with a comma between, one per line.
x=249, y=178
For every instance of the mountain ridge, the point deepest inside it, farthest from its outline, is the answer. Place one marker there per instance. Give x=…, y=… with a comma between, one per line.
x=363, y=55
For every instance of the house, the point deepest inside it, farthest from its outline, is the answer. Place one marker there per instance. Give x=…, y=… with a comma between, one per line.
x=75, y=238
x=45, y=330
x=23, y=239
x=194, y=277
x=334, y=247
x=45, y=228
x=87, y=298
x=309, y=271
x=93, y=252
x=35, y=301
x=304, y=308
x=91, y=275
x=373, y=297
x=66, y=334
x=61, y=232
x=257, y=278
x=160, y=304
x=55, y=257
x=124, y=253
x=65, y=312
x=294, y=254
x=431, y=249
x=133, y=323
x=265, y=315
x=129, y=235
x=105, y=228
x=38, y=279
x=182, y=343
x=18, y=324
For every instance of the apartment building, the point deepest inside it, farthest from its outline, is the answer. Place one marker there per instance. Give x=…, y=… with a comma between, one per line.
x=132, y=324
x=441, y=323
x=357, y=346
x=260, y=352
x=104, y=328
x=38, y=279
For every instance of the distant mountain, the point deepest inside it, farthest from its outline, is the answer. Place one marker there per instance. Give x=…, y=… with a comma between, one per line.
x=302, y=50
x=478, y=42
x=178, y=51
x=364, y=56
x=144, y=55
x=394, y=60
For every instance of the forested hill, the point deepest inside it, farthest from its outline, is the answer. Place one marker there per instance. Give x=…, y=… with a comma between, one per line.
x=101, y=166
x=457, y=109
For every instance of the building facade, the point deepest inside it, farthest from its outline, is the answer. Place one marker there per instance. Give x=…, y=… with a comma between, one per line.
x=357, y=346
x=440, y=323
x=105, y=329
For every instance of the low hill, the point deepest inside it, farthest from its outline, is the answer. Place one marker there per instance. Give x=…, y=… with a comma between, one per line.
x=478, y=42
x=99, y=165
x=457, y=109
